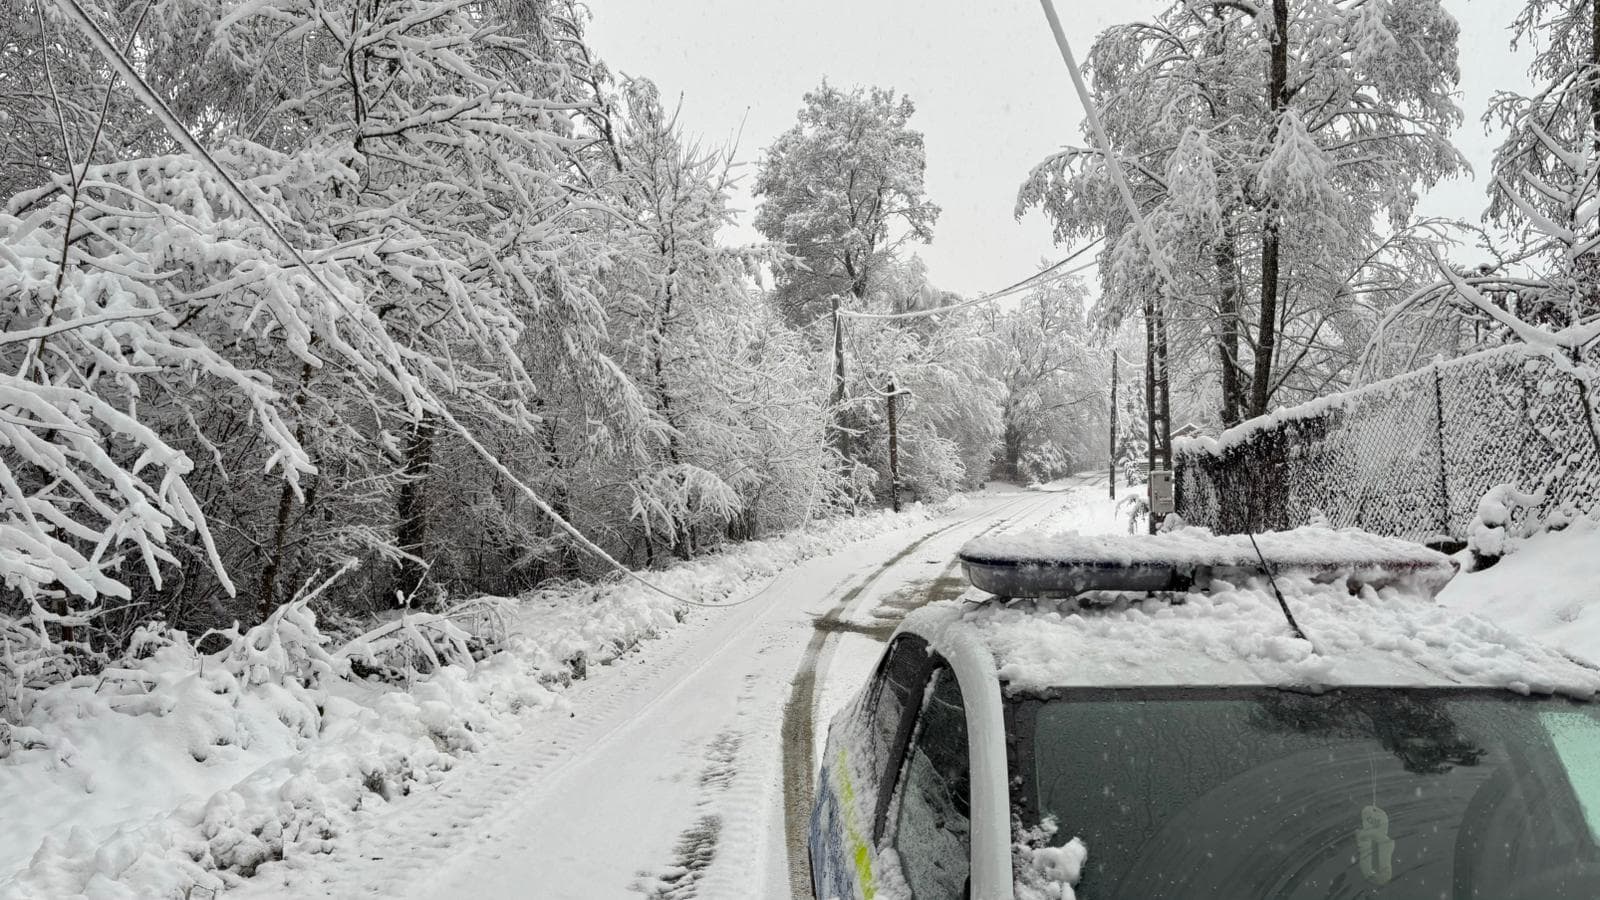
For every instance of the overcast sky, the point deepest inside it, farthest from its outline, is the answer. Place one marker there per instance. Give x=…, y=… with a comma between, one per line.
x=992, y=95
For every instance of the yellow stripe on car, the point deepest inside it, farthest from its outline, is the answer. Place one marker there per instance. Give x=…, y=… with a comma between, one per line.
x=860, y=852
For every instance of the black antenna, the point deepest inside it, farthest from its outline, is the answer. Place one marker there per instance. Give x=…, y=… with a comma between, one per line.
x=1282, y=603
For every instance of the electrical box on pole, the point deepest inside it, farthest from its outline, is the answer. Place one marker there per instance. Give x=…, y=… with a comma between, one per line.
x=1162, y=500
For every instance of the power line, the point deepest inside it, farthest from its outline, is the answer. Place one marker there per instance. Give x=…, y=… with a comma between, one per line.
x=1042, y=276
x=181, y=134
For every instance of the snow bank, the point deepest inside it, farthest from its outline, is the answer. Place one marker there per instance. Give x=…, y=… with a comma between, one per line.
x=181, y=773
x=187, y=771
x=1546, y=587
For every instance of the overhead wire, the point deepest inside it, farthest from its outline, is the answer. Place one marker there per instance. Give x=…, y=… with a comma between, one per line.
x=180, y=133
x=1043, y=276
x=1103, y=144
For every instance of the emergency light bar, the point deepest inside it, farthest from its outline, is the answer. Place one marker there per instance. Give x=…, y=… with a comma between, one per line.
x=1065, y=565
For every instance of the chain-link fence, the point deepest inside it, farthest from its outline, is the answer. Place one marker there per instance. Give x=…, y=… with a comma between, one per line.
x=1410, y=457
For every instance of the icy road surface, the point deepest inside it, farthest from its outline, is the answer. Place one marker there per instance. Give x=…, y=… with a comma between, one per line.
x=685, y=768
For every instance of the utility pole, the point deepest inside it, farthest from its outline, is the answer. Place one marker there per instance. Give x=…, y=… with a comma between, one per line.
x=839, y=435
x=1113, y=456
x=891, y=395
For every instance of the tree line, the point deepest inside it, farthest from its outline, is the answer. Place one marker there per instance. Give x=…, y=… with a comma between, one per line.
x=423, y=294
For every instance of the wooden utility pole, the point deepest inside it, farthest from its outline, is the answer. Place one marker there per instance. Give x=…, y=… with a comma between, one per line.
x=1113, y=457
x=894, y=446
x=839, y=434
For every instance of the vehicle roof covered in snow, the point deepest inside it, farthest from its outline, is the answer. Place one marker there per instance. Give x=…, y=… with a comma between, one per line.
x=1236, y=635
x=1067, y=564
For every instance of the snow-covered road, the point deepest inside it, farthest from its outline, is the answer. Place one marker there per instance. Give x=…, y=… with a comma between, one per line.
x=683, y=769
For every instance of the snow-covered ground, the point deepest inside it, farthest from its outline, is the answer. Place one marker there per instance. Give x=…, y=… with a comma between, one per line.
x=183, y=774
x=1548, y=587
x=664, y=772
x=679, y=766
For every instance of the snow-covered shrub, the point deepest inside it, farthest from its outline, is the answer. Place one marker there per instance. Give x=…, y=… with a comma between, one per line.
x=1492, y=533
x=248, y=755
x=1134, y=509
x=419, y=643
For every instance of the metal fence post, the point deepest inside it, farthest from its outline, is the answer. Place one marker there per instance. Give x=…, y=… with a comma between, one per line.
x=1444, y=484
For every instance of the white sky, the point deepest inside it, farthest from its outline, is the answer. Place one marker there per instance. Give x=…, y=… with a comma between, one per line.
x=993, y=97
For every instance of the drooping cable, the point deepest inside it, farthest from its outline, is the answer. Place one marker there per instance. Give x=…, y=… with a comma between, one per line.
x=176, y=129
x=1043, y=276
x=1103, y=144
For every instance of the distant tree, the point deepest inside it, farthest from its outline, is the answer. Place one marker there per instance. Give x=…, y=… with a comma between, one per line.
x=842, y=191
x=1053, y=382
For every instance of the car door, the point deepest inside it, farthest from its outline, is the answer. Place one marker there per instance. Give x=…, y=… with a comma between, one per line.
x=860, y=767
x=931, y=830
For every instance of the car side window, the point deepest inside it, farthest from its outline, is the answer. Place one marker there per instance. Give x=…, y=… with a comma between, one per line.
x=933, y=826
x=895, y=694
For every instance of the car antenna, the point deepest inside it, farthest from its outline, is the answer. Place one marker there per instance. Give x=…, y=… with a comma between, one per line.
x=1282, y=603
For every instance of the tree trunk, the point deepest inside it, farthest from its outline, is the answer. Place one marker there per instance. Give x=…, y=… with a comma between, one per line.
x=411, y=533
x=682, y=539
x=1013, y=448
x=1158, y=407
x=1594, y=73
x=1267, y=323
x=1225, y=259
x=267, y=599
x=840, y=438
x=1586, y=268
x=1112, y=481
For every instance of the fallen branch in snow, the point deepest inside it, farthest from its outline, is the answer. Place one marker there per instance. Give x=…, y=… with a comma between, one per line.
x=420, y=643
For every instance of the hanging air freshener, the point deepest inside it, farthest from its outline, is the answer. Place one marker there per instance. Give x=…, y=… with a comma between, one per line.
x=1374, y=845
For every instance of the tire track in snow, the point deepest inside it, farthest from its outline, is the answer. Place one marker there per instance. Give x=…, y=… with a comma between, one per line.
x=386, y=858
x=799, y=713
x=417, y=845
x=697, y=845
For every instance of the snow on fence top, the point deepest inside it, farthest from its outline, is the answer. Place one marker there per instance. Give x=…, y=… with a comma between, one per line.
x=1067, y=564
x=1251, y=429
x=1411, y=456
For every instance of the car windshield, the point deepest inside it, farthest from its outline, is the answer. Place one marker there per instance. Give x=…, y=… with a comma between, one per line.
x=1371, y=793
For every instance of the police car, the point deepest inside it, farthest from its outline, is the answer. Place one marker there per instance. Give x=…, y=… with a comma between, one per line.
x=1187, y=716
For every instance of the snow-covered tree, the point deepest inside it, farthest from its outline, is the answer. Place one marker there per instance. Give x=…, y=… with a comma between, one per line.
x=1547, y=170
x=1276, y=149
x=1055, y=383
x=842, y=192
x=697, y=333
